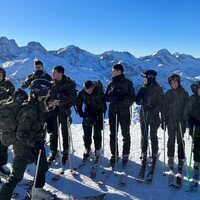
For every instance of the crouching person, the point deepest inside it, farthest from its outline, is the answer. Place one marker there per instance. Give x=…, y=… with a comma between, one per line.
x=29, y=141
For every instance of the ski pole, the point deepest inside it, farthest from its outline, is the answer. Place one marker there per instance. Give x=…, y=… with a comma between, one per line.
x=116, y=140
x=164, y=144
x=103, y=135
x=70, y=150
x=190, y=163
x=60, y=149
x=36, y=173
x=181, y=132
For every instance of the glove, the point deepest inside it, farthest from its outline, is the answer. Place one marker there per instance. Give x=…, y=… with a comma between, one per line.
x=90, y=120
x=39, y=145
x=83, y=114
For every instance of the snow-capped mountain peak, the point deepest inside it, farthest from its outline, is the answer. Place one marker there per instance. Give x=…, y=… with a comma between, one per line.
x=8, y=48
x=82, y=65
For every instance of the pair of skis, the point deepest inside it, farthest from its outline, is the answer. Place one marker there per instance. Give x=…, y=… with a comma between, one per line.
x=149, y=177
x=174, y=180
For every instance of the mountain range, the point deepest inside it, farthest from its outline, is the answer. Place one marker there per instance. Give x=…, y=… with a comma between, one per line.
x=82, y=65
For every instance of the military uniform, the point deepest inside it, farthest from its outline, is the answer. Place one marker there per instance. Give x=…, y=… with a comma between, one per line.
x=150, y=98
x=51, y=117
x=192, y=114
x=120, y=93
x=6, y=90
x=34, y=76
x=29, y=134
x=65, y=92
x=173, y=107
x=92, y=116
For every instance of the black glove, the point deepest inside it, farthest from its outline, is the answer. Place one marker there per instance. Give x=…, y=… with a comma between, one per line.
x=90, y=120
x=39, y=144
x=83, y=114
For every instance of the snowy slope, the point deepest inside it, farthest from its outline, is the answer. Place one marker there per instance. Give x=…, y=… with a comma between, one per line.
x=83, y=186
x=81, y=65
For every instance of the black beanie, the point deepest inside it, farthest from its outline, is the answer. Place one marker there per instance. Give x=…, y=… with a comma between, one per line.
x=119, y=67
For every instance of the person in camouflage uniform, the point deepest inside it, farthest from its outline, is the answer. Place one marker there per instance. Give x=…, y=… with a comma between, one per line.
x=62, y=97
x=173, y=107
x=150, y=98
x=29, y=141
x=92, y=96
x=6, y=87
x=38, y=73
x=51, y=117
x=6, y=90
x=8, y=112
x=192, y=115
x=120, y=93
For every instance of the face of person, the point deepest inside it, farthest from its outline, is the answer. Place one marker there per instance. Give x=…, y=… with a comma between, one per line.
x=174, y=84
x=56, y=75
x=145, y=80
x=89, y=90
x=1, y=76
x=116, y=72
x=38, y=67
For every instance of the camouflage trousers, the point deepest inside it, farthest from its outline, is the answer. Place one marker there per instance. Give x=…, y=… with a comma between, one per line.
x=19, y=167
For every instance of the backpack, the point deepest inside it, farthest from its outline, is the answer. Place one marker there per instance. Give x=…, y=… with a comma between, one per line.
x=8, y=122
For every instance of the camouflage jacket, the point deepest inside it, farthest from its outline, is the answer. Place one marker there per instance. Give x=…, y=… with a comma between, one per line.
x=120, y=93
x=65, y=92
x=32, y=77
x=30, y=121
x=150, y=98
x=6, y=89
x=173, y=107
x=94, y=103
x=192, y=114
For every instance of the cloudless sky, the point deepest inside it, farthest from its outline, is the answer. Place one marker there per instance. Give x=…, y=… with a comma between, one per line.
x=138, y=26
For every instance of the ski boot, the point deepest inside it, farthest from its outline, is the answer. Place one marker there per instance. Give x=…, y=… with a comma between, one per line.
x=52, y=157
x=96, y=156
x=112, y=161
x=125, y=161
x=65, y=157
x=195, y=180
x=86, y=154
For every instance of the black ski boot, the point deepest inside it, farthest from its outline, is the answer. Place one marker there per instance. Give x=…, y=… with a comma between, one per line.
x=96, y=156
x=86, y=154
x=112, y=161
x=143, y=167
x=65, y=157
x=125, y=161
x=52, y=157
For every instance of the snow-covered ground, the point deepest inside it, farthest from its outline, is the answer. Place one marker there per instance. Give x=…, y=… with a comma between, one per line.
x=82, y=185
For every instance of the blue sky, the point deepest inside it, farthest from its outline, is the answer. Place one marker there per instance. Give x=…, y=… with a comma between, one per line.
x=138, y=26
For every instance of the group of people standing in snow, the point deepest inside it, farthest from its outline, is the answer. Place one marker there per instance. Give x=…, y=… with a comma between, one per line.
x=52, y=97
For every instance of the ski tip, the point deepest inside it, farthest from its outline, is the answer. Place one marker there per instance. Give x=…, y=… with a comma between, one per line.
x=100, y=182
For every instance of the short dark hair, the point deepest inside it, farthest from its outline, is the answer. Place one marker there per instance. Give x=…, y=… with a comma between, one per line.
x=59, y=69
x=119, y=67
x=39, y=62
x=87, y=84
